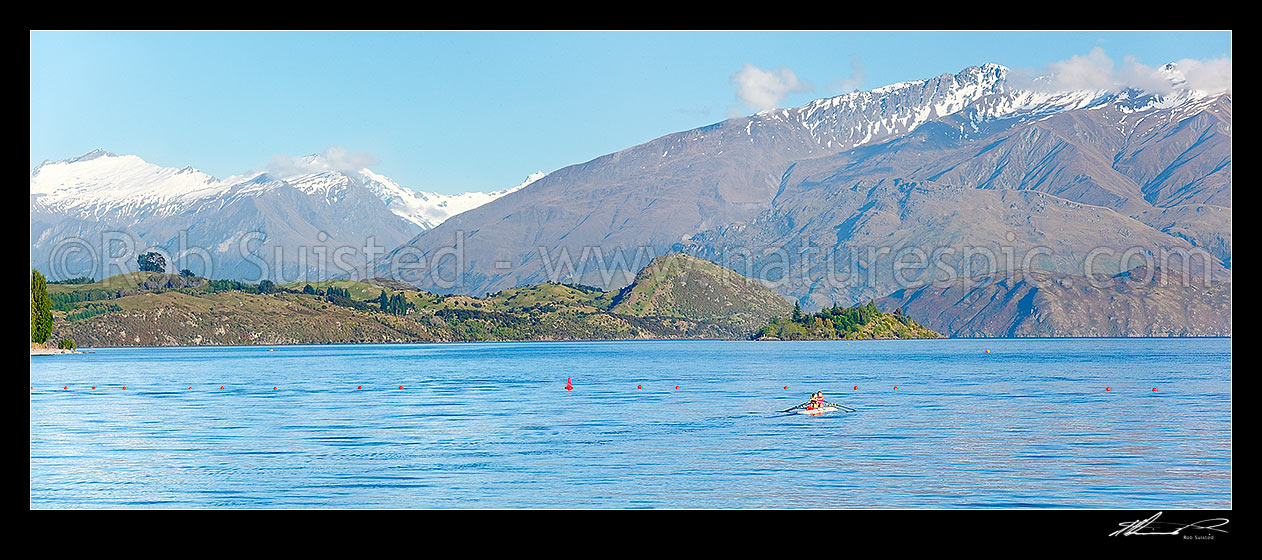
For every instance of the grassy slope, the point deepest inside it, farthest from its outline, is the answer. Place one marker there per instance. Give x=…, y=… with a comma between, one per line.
x=178, y=318
x=128, y=281
x=677, y=285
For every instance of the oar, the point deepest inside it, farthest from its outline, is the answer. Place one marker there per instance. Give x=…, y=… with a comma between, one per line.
x=845, y=408
x=796, y=407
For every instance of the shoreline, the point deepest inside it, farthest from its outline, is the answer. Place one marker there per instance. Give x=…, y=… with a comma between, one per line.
x=51, y=351
x=649, y=340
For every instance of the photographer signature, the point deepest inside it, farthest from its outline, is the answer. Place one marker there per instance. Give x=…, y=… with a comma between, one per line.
x=1149, y=526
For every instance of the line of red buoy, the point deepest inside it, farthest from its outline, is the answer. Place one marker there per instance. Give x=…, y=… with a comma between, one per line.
x=569, y=386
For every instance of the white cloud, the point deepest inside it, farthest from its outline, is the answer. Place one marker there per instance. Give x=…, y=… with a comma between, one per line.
x=1096, y=71
x=1212, y=75
x=760, y=89
x=851, y=82
x=1091, y=71
x=335, y=158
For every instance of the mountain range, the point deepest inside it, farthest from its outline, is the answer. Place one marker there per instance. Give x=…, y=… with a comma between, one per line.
x=257, y=225
x=904, y=189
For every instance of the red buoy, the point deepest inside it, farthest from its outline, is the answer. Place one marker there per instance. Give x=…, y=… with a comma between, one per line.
x=569, y=385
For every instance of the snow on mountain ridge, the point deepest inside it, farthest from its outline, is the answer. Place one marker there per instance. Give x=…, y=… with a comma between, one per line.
x=977, y=93
x=100, y=183
x=428, y=209
x=862, y=117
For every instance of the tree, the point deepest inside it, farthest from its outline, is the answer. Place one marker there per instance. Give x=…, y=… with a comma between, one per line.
x=186, y=273
x=267, y=287
x=399, y=304
x=41, y=309
x=308, y=289
x=152, y=262
x=66, y=344
x=797, y=312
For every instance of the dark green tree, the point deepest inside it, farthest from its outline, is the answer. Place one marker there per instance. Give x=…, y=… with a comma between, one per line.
x=186, y=273
x=398, y=304
x=267, y=287
x=41, y=309
x=308, y=289
x=152, y=262
x=797, y=312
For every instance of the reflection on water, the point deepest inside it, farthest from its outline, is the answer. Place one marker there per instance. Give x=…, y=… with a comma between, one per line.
x=1027, y=425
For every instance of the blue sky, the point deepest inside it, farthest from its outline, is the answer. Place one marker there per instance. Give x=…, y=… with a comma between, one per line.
x=464, y=111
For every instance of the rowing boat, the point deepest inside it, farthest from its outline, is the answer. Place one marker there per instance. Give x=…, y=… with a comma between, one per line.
x=818, y=410
x=815, y=409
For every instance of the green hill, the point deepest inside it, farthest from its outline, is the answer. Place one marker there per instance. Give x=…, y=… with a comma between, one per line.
x=678, y=285
x=844, y=323
x=133, y=282
x=674, y=297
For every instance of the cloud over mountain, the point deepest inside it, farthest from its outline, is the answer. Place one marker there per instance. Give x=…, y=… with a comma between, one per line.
x=1098, y=72
x=335, y=158
x=761, y=90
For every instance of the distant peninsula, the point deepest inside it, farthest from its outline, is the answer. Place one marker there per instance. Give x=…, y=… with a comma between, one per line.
x=676, y=296
x=844, y=323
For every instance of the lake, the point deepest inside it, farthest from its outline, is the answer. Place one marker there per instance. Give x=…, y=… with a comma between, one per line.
x=1028, y=424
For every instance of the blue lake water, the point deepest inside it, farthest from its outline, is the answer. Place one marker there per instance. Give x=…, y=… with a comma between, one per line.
x=1027, y=425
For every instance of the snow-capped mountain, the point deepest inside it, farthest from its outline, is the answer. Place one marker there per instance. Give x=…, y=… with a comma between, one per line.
x=976, y=95
x=428, y=209
x=100, y=183
x=291, y=221
x=920, y=163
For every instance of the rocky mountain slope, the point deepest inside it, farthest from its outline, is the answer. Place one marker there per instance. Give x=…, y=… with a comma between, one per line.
x=963, y=161
x=1139, y=302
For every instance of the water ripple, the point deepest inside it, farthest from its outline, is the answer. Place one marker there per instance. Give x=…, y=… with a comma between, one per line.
x=491, y=426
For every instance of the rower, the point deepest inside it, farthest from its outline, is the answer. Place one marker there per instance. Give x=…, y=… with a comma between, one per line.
x=817, y=400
